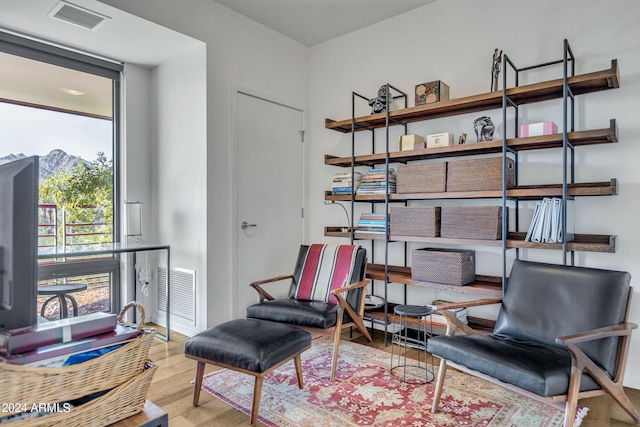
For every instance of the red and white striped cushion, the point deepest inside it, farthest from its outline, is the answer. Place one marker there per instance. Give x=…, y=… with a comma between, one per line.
x=326, y=267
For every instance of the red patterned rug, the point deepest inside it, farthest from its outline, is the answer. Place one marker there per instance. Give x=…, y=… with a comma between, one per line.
x=365, y=394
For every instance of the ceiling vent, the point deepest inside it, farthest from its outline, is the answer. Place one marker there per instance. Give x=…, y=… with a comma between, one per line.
x=77, y=15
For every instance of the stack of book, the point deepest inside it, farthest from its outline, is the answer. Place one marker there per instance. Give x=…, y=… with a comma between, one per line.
x=343, y=183
x=375, y=181
x=64, y=342
x=373, y=223
x=546, y=224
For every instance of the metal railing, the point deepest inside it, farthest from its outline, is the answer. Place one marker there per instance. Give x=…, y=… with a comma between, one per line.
x=56, y=229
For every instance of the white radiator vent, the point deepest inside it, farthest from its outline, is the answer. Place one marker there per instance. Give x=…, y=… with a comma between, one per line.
x=77, y=15
x=183, y=293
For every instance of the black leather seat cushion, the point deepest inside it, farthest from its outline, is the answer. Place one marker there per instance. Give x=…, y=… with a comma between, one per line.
x=315, y=314
x=250, y=344
x=539, y=368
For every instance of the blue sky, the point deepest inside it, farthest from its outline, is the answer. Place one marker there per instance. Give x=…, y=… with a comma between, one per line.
x=35, y=131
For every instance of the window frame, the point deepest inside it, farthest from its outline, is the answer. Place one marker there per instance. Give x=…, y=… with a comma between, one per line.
x=50, y=53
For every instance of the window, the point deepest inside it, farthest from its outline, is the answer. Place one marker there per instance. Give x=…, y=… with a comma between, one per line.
x=63, y=106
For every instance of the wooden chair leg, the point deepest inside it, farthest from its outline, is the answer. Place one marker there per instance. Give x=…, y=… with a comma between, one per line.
x=336, y=344
x=623, y=400
x=298, y=362
x=257, y=390
x=442, y=370
x=198, y=383
x=572, y=396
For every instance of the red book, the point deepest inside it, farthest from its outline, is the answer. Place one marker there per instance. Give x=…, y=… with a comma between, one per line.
x=64, y=330
x=57, y=354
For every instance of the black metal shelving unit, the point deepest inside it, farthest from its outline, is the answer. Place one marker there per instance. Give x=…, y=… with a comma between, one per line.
x=509, y=98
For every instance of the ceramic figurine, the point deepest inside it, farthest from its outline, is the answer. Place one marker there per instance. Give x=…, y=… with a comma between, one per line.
x=462, y=138
x=484, y=128
x=495, y=69
x=379, y=104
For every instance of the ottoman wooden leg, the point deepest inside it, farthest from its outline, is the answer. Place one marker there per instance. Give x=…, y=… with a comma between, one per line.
x=257, y=390
x=198, y=383
x=298, y=362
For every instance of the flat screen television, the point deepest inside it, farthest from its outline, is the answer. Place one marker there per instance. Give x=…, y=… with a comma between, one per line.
x=18, y=243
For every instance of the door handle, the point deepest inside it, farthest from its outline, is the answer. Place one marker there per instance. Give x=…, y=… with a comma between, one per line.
x=246, y=225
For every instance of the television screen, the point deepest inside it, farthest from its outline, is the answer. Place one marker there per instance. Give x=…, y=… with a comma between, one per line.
x=18, y=243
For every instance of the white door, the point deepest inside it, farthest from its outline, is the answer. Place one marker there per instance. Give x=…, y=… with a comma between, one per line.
x=270, y=193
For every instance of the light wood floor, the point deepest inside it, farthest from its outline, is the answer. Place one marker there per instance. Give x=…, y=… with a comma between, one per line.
x=171, y=389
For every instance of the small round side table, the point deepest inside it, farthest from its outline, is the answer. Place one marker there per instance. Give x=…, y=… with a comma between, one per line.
x=61, y=292
x=413, y=332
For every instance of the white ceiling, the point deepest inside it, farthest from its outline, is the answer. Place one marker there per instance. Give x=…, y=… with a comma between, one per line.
x=315, y=21
x=135, y=40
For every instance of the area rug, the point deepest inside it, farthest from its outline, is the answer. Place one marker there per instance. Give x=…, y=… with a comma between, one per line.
x=366, y=394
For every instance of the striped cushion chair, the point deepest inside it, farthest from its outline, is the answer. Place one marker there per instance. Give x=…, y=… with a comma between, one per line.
x=326, y=294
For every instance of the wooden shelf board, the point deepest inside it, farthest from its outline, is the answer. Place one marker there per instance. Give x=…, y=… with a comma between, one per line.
x=483, y=285
x=482, y=326
x=582, y=242
x=604, y=188
x=578, y=138
x=552, y=89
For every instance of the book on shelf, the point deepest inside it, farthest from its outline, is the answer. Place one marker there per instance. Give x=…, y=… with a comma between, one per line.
x=343, y=182
x=374, y=223
x=378, y=181
x=546, y=223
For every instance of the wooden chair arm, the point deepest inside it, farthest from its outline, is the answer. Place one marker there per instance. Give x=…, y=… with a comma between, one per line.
x=464, y=304
x=454, y=325
x=621, y=329
x=360, y=284
x=262, y=294
x=345, y=307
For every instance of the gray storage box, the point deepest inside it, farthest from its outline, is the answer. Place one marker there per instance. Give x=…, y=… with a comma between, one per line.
x=448, y=266
x=423, y=221
x=471, y=222
x=422, y=178
x=483, y=174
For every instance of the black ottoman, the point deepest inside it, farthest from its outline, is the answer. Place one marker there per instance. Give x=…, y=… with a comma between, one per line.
x=252, y=346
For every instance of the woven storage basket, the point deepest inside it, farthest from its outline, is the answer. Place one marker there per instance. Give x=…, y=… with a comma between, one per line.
x=448, y=266
x=483, y=174
x=423, y=221
x=123, y=401
x=29, y=384
x=422, y=178
x=471, y=222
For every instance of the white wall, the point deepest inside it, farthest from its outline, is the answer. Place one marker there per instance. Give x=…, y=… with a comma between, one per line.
x=454, y=41
x=135, y=167
x=178, y=157
x=241, y=51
